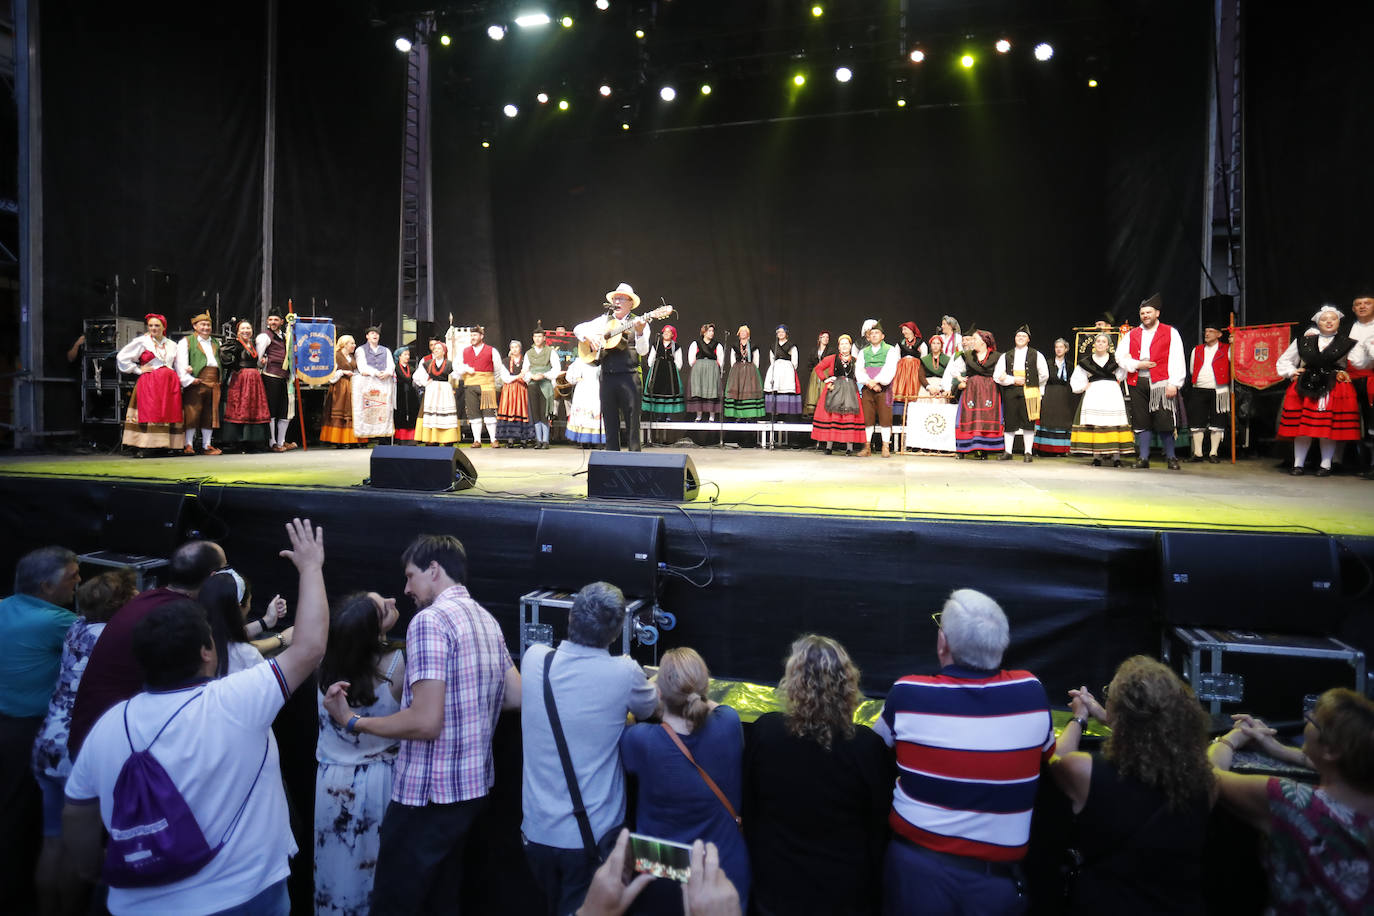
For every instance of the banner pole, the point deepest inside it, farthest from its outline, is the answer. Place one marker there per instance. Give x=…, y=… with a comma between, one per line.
x=1235, y=400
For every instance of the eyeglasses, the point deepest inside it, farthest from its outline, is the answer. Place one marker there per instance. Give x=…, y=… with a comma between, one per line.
x=936, y=617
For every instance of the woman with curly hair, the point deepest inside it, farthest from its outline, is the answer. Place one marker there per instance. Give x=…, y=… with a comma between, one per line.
x=1141, y=804
x=817, y=790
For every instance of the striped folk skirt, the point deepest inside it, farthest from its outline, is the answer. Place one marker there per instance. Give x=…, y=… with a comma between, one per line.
x=978, y=425
x=1335, y=415
x=1101, y=426
x=743, y=392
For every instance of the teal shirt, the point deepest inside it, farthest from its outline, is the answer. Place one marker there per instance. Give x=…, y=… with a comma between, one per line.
x=31, y=635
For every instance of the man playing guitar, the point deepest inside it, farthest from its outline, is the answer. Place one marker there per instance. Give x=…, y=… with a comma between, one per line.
x=620, y=384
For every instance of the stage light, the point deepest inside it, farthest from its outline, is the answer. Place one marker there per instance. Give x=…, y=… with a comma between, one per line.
x=901, y=103
x=1044, y=51
x=1092, y=84
x=529, y=20
x=639, y=33
x=486, y=144
x=799, y=80
x=562, y=104
x=496, y=32
x=967, y=61
x=566, y=22
x=542, y=98
x=624, y=126
x=1002, y=46
x=603, y=5
x=667, y=93
x=705, y=88
x=511, y=111
x=917, y=55
x=844, y=74
x=818, y=11
x=402, y=44
x=605, y=91
x=445, y=40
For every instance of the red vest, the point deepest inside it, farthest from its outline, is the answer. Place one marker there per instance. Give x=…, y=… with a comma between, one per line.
x=1159, y=350
x=477, y=363
x=1221, y=363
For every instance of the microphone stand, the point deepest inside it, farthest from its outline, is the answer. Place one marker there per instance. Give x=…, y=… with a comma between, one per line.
x=724, y=377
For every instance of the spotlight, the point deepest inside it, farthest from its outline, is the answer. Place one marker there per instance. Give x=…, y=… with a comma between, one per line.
x=1003, y=46
x=966, y=61
x=402, y=44
x=667, y=93
x=901, y=103
x=1044, y=51
x=605, y=91
x=542, y=98
x=511, y=111
x=486, y=144
x=624, y=126
x=799, y=80
x=1092, y=84
x=639, y=33
x=496, y=32
x=562, y=104
x=566, y=22
x=917, y=55
x=844, y=74
x=818, y=11
x=603, y=5
x=528, y=20
x=445, y=40
x=705, y=88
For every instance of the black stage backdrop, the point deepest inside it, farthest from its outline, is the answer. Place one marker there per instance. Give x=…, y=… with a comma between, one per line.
x=1310, y=189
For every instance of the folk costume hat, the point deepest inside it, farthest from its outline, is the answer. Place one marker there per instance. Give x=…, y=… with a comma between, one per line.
x=1216, y=317
x=1155, y=302
x=1024, y=329
x=624, y=289
x=870, y=324
x=203, y=316
x=151, y=315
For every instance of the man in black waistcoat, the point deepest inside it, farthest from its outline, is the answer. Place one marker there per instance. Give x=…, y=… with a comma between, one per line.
x=621, y=394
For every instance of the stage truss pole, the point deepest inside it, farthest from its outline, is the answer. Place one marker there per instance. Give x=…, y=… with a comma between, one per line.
x=28, y=95
x=414, y=279
x=1235, y=392
x=269, y=164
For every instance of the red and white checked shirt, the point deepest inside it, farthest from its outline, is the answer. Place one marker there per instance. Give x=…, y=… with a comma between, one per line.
x=456, y=641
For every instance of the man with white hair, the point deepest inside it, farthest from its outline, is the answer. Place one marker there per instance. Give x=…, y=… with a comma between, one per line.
x=970, y=741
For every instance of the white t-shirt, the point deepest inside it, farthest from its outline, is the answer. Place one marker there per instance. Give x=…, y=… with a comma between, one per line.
x=211, y=751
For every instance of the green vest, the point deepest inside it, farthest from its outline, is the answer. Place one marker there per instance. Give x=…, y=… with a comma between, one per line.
x=196, y=356
x=541, y=360
x=876, y=359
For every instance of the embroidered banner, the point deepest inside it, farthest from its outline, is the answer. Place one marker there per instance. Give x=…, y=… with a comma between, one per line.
x=1255, y=351
x=313, y=349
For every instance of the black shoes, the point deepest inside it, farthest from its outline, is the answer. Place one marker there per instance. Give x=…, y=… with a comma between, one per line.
x=1213, y=459
x=1297, y=471
x=1097, y=462
x=1142, y=463
x=1005, y=456
x=1027, y=459
x=1323, y=472
x=1173, y=464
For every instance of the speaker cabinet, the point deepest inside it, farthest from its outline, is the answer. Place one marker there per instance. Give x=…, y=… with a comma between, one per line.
x=412, y=467
x=668, y=476
x=573, y=548
x=147, y=523
x=1290, y=583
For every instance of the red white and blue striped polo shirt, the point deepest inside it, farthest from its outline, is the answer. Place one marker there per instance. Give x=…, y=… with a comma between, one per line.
x=970, y=744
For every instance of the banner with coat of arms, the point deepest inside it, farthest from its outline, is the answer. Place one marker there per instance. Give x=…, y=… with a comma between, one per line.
x=312, y=350
x=1255, y=352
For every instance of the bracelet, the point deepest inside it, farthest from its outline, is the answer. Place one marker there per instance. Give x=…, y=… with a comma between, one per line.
x=1221, y=739
x=1082, y=722
x=281, y=641
x=352, y=723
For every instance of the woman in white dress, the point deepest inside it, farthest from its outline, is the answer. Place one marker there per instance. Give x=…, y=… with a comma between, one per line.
x=584, y=414
x=1101, y=428
x=438, y=420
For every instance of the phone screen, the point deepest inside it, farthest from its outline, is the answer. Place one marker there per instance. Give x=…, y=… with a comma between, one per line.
x=660, y=858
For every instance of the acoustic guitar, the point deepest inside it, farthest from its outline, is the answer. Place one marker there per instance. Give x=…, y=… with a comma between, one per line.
x=615, y=332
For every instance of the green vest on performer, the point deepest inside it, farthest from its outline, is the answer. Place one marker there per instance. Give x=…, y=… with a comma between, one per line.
x=196, y=356
x=541, y=360
x=876, y=359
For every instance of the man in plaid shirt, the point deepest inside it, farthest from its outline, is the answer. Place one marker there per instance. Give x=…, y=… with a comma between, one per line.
x=459, y=677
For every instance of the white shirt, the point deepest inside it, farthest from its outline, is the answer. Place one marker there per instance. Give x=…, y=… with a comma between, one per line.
x=555, y=366
x=1177, y=370
x=716, y=353
x=1018, y=361
x=1206, y=378
x=595, y=330
x=1288, y=363
x=677, y=356
x=1362, y=357
x=1078, y=382
x=211, y=751
x=183, y=365
x=165, y=353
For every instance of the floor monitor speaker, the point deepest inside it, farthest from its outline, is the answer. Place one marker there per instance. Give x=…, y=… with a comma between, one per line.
x=573, y=548
x=147, y=523
x=669, y=476
x=413, y=467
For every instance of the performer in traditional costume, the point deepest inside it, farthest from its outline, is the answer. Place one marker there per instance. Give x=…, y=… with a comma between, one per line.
x=246, y=416
x=1100, y=428
x=1320, y=404
x=744, y=385
x=909, y=381
x=663, y=390
x=513, y=411
x=438, y=421
x=374, y=389
x=1057, y=405
x=782, y=392
x=154, y=416
x=707, y=359
x=1152, y=355
x=1020, y=373
x=197, y=365
x=274, y=359
x=978, y=424
x=838, y=415
x=407, y=410
x=877, y=368
x=477, y=368
x=539, y=368
x=953, y=336
x=1361, y=371
x=1208, y=397
x=584, y=413
x=813, y=359
x=337, y=427
x=935, y=362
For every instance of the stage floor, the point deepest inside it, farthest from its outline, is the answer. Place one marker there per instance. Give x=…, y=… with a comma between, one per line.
x=1252, y=495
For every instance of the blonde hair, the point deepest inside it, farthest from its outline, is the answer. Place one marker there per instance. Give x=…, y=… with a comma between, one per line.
x=683, y=679
x=744, y=329
x=821, y=687
x=342, y=341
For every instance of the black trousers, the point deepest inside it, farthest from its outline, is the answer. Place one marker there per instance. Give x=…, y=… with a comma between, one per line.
x=420, y=860
x=21, y=811
x=565, y=874
x=621, y=397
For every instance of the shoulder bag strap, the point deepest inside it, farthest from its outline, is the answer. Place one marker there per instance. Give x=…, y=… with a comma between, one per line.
x=584, y=824
x=711, y=783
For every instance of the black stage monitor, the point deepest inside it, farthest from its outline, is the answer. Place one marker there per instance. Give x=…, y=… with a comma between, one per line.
x=413, y=467
x=146, y=523
x=667, y=476
x=573, y=548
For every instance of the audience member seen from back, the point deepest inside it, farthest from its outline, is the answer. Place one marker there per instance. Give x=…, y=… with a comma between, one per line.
x=817, y=791
x=592, y=691
x=353, y=781
x=112, y=673
x=213, y=738
x=1320, y=838
x=958, y=842
x=59, y=889
x=458, y=678
x=674, y=801
x=33, y=625
x=1142, y=803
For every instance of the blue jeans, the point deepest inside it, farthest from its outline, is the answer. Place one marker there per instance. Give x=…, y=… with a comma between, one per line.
x=916, y=882
x=272, y=901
